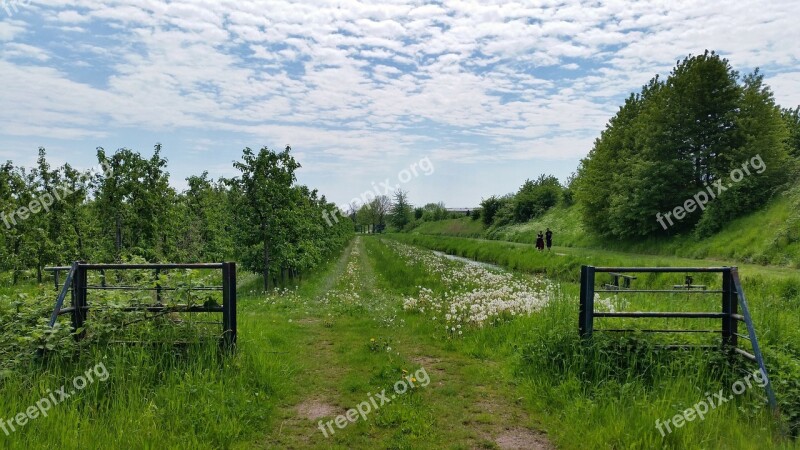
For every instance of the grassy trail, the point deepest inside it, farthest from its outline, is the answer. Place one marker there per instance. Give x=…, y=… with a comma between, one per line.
x=467, y=403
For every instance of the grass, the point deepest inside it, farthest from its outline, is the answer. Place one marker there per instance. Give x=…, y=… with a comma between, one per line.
x=610, y=394
x=156, y=396
x=312, y=353
x=770, y=236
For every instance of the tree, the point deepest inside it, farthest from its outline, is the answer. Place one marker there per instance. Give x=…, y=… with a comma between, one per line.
x=759, y=136
x=401, y=211
x=263, y=199
x=490, y=206
x=792, y=119
x=534, y=198
x=134, y=195
x=378, y=209
x=674, y=139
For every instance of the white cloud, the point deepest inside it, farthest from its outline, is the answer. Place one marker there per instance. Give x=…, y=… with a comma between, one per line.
x=351, y=79
x=786, y=87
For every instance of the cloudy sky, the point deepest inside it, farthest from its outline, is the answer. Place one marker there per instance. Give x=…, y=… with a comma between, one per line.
x=491, y=92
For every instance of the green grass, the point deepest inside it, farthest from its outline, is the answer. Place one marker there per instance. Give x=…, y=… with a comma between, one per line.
x=773, y=293
x=343, y=335
x=609, y=395
x=770, y=236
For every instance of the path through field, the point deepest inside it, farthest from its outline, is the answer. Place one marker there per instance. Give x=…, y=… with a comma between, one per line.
x=353, y=339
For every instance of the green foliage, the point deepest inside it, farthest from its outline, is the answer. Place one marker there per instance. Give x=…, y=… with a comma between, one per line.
x=489, y=208
x=534, y=198
x=792, y=119
x=675, y=138
x=401, y=211
x=130, y=211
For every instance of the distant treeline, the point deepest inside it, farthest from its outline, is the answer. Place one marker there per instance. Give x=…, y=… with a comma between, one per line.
x=129, y=211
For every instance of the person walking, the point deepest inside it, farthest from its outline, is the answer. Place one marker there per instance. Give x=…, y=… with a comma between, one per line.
x=549, y=237
x=540, y=241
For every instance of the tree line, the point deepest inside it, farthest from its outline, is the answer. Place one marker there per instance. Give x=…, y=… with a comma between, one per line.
x=396, y=213
x=129, y=211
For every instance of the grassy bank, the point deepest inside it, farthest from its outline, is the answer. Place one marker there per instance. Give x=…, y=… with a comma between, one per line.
x=770, y=236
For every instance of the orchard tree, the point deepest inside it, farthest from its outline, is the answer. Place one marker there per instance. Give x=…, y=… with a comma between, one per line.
x=263, y=199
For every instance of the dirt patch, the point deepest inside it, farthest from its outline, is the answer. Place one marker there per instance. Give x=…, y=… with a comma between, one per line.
x=522, y=439
x=428, y=363
x=308, y=321
x=315, y=409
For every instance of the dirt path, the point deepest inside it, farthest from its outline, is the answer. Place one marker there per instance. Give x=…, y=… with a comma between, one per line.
x=353, y=342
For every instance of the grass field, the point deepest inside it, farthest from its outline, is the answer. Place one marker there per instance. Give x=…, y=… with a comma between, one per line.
x=495, y=355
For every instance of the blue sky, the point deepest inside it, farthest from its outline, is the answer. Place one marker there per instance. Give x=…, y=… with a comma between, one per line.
x=491, y=93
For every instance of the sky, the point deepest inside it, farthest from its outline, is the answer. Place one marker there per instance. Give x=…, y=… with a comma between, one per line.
x=481, y=94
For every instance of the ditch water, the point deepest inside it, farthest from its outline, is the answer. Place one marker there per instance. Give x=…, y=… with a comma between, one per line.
x=468, y=261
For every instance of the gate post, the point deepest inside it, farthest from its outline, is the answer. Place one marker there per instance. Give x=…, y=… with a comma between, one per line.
x=229, y=305
x=79, y=303
x=586, y=314
x=729, y=307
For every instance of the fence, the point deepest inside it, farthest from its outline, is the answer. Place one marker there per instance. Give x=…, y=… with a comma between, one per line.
x=76, y=284
x=732, y=301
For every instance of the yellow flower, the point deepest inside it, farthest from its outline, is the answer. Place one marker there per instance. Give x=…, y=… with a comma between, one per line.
x=372, y=340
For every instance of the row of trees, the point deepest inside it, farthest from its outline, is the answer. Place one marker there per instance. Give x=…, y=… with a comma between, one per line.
x=396, y=213
x=533, y=199
x=680, y=136
x=260, y=218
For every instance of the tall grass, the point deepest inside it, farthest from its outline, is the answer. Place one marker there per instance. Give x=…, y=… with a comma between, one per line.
x=624, y=380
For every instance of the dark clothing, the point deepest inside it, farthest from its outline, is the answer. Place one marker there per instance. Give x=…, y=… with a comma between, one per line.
x=549, y=236
x=540, y=242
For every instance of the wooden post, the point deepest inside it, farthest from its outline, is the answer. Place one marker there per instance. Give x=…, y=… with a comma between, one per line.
x=729, y=307
x=586, y=315
x=229, y=305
